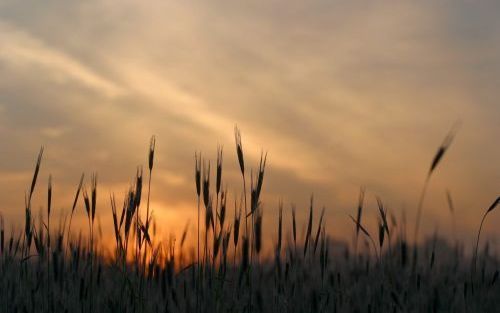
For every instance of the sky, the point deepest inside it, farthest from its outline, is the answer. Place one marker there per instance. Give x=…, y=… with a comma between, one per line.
x=340, y=95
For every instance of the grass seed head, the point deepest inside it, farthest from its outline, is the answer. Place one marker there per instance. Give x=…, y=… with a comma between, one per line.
x=87, y=203
x=197, y=172
x=320, y=223
x=80, y=184
x=309, y=225
x=206, y=183
x=49, y=196
x=138, y=187
x=222, y=213
x=129, y=208
x=383, y=215
x=260, y=179
x=239, y=149
x=443, y=148
x=94, y=195
x=493, y=205
x=360, y=208
x=237, y=220
x=35, y=174
x=151, y=155
x=219, y=168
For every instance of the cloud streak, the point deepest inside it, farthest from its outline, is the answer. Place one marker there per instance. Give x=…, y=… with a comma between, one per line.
x=339, y=94
x=20, y=49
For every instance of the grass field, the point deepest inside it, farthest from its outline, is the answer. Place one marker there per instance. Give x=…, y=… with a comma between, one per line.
x=53, y=271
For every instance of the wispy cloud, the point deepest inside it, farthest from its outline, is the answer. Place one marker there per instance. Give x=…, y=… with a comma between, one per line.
x=20, y=49
x=339, y=94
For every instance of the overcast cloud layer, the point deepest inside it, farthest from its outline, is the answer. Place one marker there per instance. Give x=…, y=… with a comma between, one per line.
x=341, y=95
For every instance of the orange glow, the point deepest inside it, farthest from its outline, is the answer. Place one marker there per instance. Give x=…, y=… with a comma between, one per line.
x=361, y=96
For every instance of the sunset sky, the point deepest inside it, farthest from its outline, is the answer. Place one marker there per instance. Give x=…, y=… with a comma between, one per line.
x=340, y=95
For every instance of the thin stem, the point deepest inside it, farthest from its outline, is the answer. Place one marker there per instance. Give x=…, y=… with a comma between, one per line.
x=375, y=248
x=246, y=211
x=198, y=264
x=477, y=241
x=69, y=232
x=91, y=230
x=216, y=219
x=147, y=224
x=48, y=262
x=419, y=209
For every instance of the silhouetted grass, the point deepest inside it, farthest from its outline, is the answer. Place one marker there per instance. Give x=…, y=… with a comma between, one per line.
x=64, y=273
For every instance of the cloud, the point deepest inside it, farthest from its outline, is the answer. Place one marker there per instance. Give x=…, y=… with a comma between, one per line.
x=339, y=94
x=54, y=132
x=19, y=49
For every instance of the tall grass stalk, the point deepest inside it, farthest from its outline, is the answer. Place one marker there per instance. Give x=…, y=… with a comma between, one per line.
x=490, y=209
x=197, y=177
x=358, y=217
x=78, y=190
x=451, y=207
x=78, y=275
x=435, y=161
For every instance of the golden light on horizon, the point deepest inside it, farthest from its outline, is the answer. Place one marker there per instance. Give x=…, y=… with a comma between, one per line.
x=340, y=96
